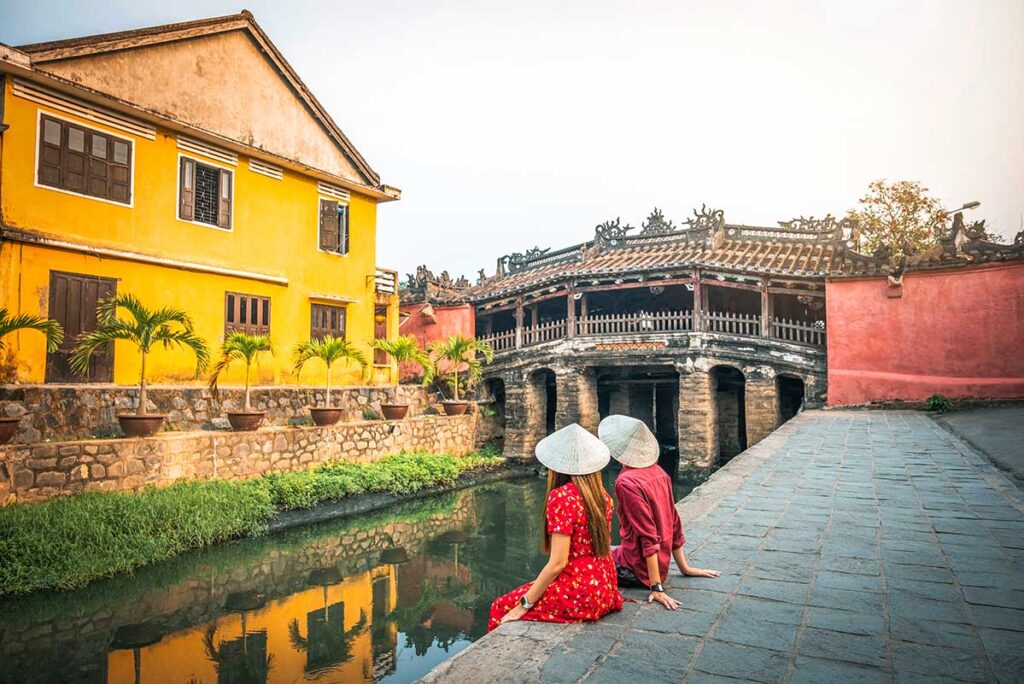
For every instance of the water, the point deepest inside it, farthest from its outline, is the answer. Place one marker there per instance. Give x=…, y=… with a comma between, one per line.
x=377, y=598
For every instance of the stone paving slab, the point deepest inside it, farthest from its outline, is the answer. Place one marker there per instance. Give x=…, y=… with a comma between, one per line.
x=856, y=546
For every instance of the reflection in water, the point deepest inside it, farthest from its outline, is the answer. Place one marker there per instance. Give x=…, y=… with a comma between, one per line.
x=383, y=598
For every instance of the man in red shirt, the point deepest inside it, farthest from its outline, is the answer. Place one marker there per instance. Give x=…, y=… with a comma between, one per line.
x=649, y=524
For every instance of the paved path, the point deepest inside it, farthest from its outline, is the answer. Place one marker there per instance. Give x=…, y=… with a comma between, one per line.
x=997, y=432
x=868, y=546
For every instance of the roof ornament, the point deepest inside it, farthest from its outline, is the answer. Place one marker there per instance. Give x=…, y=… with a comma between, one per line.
x=519, y=261
x=809, y=224
x=611, y=233
x=656, y=224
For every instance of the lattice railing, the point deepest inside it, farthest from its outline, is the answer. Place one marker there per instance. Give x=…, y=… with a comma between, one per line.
x=635, y=323
x=798, y=331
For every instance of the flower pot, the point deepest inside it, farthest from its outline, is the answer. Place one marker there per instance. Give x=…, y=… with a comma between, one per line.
x=245, y=421
x=8, y=428
x=140, y=426
x=394, y=411
x=326, y=416
x=455, y=408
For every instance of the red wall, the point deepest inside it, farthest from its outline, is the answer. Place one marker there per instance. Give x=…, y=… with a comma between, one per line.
x=957, y=332
x=447, y=321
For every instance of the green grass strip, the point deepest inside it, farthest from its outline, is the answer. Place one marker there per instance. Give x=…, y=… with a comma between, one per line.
x=67, y=542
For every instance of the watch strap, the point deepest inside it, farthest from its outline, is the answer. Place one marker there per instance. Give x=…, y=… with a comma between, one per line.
x=658, y=587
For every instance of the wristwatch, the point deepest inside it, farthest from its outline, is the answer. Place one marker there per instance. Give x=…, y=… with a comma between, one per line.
x=658, y=587
x=524, y=603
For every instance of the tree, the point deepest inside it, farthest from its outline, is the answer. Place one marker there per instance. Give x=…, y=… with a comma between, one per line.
x=143, y=328
x=459, y=351
x=329, y=350
x=243, y=347
x=8, y=324
x=901, y=217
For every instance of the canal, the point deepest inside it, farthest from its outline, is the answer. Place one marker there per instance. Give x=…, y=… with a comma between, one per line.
x=382, y=597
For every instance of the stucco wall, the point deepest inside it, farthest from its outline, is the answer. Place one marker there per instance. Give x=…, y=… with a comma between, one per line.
x=957, y=332
x=446, y=321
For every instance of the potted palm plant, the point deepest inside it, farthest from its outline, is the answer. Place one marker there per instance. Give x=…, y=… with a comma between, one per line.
x=240, y=346
x=458, y=352
x=329, y=349
x=9, y=324
x=143, y=327
x=401, y=349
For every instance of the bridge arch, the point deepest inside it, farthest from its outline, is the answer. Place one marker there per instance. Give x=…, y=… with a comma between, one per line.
x=728, y=407
x=791, y=392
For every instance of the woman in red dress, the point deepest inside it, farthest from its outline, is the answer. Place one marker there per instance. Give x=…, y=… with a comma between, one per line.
x=579, y=582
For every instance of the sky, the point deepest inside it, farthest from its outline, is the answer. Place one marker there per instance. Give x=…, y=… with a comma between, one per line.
x=516, y=124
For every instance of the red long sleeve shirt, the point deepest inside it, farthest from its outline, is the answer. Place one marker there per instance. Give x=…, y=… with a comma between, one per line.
x=648, y=520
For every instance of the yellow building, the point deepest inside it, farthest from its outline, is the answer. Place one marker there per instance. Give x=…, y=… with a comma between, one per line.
x=189, y=165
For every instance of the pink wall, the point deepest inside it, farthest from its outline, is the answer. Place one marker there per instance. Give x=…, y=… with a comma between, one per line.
x=957, y=332
x=446, y=321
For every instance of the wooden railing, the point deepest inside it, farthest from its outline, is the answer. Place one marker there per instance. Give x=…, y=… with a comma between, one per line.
x=544, y=332
x=499, y=342
x=796, y=331
x=732, y=323
x=745, y=325
x=635, y=323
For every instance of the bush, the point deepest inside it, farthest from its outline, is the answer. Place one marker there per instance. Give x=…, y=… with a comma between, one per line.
x=370, y=414
x=939, y=404
x=67, y=542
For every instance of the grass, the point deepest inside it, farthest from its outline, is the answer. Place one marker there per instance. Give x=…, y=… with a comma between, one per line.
x=67, y=542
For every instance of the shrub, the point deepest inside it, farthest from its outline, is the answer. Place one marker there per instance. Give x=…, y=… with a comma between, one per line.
x=939, y=404
x=370, y=414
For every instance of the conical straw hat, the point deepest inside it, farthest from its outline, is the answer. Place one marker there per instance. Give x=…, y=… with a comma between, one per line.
x=630, y=441
x=572, y=451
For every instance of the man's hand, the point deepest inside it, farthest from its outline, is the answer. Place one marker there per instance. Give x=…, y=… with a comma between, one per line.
x=515, y=614
x=700, y=572
x=664, y=599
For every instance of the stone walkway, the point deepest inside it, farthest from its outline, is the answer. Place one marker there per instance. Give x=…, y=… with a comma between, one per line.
x=997, y=432
x=856, y=546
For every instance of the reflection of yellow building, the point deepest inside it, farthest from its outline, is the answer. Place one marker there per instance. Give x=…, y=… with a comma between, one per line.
x=187, y=164
x=302, y=633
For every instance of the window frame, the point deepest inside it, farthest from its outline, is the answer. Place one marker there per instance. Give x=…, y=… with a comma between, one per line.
x=132, y=150
x=348, y=224
x=177, y=191
x=343, y=309
x=259, y=329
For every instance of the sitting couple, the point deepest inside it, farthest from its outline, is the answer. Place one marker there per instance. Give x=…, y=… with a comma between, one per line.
x=580, y=581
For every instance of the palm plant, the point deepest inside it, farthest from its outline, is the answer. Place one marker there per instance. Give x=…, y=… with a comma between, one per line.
x=240, y=346
x=8, y=324
x=330, y=350
x=459, y=351
x=143, y=327
x=402, y=349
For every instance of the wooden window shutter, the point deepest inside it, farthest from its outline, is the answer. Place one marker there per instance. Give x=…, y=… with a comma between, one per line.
x=187, y=189
x=329, y=225
x=224, y=208
x=343, y=229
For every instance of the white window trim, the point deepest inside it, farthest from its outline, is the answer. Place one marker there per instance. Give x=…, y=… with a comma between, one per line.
x=92, y=127
x=177, y=192
x=319, y=197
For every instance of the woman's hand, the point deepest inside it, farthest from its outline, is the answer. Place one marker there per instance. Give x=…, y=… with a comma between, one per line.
x=664, y=599
x=515, y=614
x=700, y=572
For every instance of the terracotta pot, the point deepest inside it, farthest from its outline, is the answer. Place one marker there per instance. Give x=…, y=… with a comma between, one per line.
x=8, y=428
x=394, y=411
x=326, y=416
x=455, y=408
x=245, y=421
x=140, y=426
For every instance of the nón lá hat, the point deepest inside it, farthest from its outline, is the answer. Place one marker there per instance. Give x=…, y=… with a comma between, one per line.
x=572, y=451
x=629, y=441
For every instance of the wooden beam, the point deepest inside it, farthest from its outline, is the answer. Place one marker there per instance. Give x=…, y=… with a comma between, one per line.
x=698, y=302
x=519, y=321
x=791, y=291
x=766, y=309
x=735, y=286
x=633, y=286
x=570, y=314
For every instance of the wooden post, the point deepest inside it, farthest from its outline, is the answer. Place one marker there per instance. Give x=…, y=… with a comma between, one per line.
x=698, y=302
x=519, y=321
x=583, y=313
x=570, y=317
x=533, y=315
x=766, y=309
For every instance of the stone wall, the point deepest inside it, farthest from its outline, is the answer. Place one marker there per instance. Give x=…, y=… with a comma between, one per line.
x=68, y=412
x=38, y=471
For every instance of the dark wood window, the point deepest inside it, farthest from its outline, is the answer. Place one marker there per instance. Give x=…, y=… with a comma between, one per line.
x=73, y=301
x=333, y=227
x=79, y=159
x=380, y=332
x=246, y=313
x=204, y=193
x=326, y=320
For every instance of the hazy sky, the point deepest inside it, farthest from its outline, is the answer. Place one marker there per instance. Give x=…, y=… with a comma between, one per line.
x=517, y=123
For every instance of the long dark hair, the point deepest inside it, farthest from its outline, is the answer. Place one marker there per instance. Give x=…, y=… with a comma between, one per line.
x=595, y=502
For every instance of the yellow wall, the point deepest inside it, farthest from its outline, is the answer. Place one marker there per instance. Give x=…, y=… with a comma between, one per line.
x=274, y=232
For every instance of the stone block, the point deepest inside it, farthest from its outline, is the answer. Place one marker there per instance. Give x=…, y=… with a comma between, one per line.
x=50, y=479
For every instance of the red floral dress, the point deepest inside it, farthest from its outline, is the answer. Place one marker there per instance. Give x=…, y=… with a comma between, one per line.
x=587, y=588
